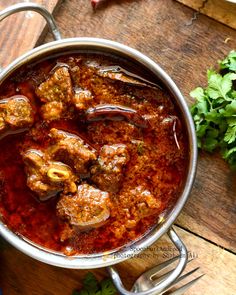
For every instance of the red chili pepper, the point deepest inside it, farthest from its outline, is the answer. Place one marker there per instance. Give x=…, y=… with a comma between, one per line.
x=95, y=3
x=115, y=113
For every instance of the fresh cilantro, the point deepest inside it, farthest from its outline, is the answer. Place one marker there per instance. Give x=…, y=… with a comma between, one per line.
x=107, y=287
x=214, y=111
x=229, y=63
x=91, y=283
x=91, y=286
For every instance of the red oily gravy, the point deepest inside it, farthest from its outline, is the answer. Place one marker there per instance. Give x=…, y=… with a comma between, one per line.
x=148, y=182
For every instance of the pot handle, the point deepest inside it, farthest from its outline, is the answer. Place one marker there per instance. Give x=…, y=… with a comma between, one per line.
x=163, y=285
x=33, y=7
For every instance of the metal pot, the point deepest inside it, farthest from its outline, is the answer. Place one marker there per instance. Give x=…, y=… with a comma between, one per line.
x=116, y=256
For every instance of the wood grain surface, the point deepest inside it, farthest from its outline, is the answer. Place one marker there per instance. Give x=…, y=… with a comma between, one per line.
x=21, y=31
x=161, y=30
x=220, y=10
x=21, y=275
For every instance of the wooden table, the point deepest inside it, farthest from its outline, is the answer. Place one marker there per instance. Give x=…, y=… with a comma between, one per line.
x=159, y=29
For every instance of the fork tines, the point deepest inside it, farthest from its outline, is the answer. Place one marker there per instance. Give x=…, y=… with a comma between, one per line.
x=153, y=276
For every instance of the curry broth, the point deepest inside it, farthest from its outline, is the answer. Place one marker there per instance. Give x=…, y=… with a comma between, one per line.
x=149, y=182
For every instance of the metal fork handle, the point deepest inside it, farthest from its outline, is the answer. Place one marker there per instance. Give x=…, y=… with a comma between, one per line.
x=162, y=286
x=33, y=7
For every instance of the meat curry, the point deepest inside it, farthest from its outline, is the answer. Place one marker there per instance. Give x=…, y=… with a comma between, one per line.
x=91, y=155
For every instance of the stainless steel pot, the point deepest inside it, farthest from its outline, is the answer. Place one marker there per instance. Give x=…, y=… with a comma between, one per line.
x=116, y=256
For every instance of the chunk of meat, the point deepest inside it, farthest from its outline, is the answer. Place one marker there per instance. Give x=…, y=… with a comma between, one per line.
x=146, y=203
x=135, y=204
x=82, y=99
x=88, y=208
x=45, y=177
x=72, y=150
x=107, y=174
x=58, y=87
x=57, y=93
x=15, y=113
x=53, y=110
x=141, y=202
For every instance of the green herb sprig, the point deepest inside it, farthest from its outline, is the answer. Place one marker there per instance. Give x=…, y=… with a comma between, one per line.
x=91, y=286
x=214, y=112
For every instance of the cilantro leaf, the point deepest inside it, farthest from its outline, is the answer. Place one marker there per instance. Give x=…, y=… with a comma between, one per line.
x=229, y=152
x=218, y=86
x=210, y=144
x=214, y=112
x=90, y=282
x=201, y=129
x=229, y=110
x=108, y=288
x=91, y=286
x=230, y=134
x=229, y=62
x=198, y=94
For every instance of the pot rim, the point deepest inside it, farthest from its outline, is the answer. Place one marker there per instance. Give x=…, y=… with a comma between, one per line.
x=116, y=256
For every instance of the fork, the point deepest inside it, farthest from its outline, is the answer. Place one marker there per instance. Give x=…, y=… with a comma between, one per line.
x=146, y=284
x=148, y=279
